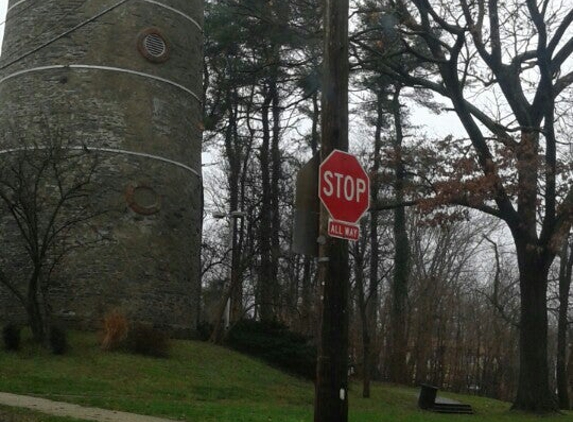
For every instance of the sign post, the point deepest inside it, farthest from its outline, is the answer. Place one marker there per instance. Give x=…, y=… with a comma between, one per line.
x=331, y=396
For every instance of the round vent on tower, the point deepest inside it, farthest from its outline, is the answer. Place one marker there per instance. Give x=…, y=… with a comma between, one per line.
x=153, y=46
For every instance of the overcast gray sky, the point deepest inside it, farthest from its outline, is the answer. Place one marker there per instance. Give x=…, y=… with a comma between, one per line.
x=3, y=6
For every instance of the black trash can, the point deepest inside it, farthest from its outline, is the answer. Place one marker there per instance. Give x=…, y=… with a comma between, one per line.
x=427, y=397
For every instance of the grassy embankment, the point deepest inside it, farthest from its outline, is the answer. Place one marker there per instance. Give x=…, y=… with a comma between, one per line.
x=205, y=383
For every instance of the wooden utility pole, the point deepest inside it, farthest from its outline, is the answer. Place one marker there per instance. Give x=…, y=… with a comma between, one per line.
x=331, y=400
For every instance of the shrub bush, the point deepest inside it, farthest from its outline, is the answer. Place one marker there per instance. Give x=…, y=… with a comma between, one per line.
x=274, y=343
x=145, y=340
x=204, y=330
x=115, y=329
x=58, y=341
x=11, y=337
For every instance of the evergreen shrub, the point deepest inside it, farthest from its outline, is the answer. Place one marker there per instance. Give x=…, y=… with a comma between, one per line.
x=11, y=337
x=58, y=341
x=143, y=339
x=275, y=344
x=204, y=330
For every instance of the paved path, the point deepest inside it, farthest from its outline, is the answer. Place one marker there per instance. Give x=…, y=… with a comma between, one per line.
x=73, y=410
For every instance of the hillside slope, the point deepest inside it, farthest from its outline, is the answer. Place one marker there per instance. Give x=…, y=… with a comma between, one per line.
x=203, y=382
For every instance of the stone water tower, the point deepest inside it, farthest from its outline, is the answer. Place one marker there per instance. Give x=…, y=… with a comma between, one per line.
x=123, y=79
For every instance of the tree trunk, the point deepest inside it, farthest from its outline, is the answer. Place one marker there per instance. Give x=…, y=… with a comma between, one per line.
x=533, y=393
x=233, y=152
x=366, y=359
x=36, y=322
x=275, y=189
x=362, y=296
x=570, y=369
x=397, y=369
x=266, y=271
x=370, y=320
x=236, y=286
x=534, y=260
x=233, y=292
x=37, y=317
x=565, y=269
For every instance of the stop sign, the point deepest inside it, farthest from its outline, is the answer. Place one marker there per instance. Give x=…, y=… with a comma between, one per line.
x=343, y=187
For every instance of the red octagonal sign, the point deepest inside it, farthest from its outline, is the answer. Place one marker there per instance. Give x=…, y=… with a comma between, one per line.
x=344, y=187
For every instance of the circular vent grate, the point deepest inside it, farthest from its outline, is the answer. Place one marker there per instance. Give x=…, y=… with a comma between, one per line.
x=153, y=45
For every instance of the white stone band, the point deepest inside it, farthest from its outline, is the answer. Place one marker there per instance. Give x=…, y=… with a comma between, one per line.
x=15, y=5
x=113, y=151
x=107, y=68
x=189, y=18
x=157, y=3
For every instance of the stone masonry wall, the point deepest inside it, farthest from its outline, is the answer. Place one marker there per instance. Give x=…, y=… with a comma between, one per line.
x=143, y=118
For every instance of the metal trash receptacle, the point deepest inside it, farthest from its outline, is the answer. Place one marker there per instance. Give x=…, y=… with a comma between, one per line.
x=427, y=397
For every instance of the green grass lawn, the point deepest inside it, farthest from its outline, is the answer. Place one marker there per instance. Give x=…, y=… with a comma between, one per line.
x=203, y=382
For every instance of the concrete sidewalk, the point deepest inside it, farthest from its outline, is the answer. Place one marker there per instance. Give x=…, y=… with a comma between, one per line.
x=56, y=408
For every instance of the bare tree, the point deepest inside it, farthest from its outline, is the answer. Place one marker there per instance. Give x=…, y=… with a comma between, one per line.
x=45, y=197
x=518, y=53
x=565, y=272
